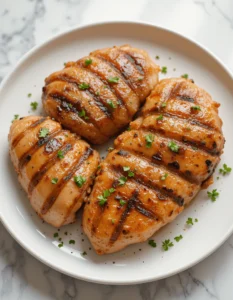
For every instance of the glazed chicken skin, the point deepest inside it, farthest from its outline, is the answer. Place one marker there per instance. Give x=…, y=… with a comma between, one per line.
x=54, y=166
x=156, y=168
x=98, y=95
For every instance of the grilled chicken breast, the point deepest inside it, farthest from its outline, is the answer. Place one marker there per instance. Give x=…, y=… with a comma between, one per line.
x=54, y=166
x=98, y=95
x=156, y=168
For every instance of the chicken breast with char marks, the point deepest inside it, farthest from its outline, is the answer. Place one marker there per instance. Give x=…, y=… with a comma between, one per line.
x=54, y=166
x=98, y=95
x=156, y=168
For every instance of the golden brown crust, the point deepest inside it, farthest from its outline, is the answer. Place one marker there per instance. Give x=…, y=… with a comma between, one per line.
x=165, y=158
x=97, y=99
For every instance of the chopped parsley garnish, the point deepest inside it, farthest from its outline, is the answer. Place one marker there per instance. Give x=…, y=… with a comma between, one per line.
x=152, y=243
x=79, y=180
x=157, y=57
x=131, y=174
x=178, y=238
x=97, y=93
x=61, y=245
x=15, y=118
x=149, y=140
x=54, y=180
x=159, y=118
x=196, y=220
x=103, y=198
x=196, y=107
x=164, y=104
x=122, y=180
x=55, y=234
x=126, y=168
x=225, y=170
x=189, y=221
x=60, y=154
x=29, y=95
x=113, y=79
x=113, y=221
x=84, y=253
x=173, y=146
x=70, y=105
x=167, y=244
x=43, y=132
x=213, y=195
x=88, y=61
x=163, y=177
x=111, y=104
x=122, y=202
x=186, y=76
x=84, y=86
x=82, y=114
x=34, y=105
x=164, y=70
x=72, y=242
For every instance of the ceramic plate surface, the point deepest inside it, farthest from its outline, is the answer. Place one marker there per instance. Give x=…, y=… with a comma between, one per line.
x=141, y=262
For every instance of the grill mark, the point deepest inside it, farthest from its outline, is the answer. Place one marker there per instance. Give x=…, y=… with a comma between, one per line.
x=48, y=164
x=18, y=138
x=96, y=74
x=137, y=179
x=138, y=66
x=138, y=205
x=184, y=141
x=190, y=120
x=98, y=100
x=185, y=98
x=76, y=107
x=24, y=158
x=58, y=188
x=118, y=70
x=119, y=226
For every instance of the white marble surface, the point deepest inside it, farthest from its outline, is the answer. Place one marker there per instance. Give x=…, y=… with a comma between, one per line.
x=24, y=23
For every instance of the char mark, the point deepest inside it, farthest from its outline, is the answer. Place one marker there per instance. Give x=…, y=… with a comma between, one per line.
x=135, y=62
x=22, y=134
x=58, y=188
x=119, y=226
x=48, y=139
x=185, y=98
x=47, y=165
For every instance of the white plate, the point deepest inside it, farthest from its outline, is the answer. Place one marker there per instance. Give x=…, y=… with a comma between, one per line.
x=137, y=263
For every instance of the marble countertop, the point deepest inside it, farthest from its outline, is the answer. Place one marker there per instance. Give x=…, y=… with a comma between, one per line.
x=25, y=23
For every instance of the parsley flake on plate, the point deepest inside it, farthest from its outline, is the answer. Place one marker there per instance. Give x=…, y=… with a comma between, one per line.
x=16, y=117
x=159, y=118
x=164, y=70
x=225, y=170
x=111, y=104
x=186, y=76
x=122, y=202
x=34, y=105
x=213, y=195
x=71, y=241
x=195, y=107
x=178, y=238
x=163, y=177
x=82, y=114
x=167, y=244
x=152, y=243
x=189, y=221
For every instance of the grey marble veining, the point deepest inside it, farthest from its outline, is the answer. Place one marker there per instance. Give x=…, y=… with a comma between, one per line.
x=24, y=23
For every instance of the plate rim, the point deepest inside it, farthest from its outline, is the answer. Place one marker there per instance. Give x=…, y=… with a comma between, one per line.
x=27, y=246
